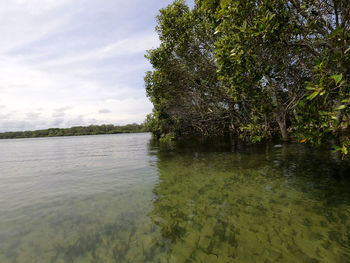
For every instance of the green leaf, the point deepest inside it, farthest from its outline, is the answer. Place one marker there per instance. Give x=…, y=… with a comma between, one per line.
x=344, y=149
x=310, y=87
x=341, y=107
x=336, y=148
x=341, y=83
x=313, y=95
x=337, y=78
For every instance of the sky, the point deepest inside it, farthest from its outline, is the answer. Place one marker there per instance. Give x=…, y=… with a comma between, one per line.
x=67, y=63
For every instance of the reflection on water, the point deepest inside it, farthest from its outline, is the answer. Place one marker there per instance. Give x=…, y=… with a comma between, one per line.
x=122, y=198
x=252, y=206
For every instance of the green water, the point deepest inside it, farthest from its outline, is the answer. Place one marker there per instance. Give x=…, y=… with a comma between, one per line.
x=123, y=198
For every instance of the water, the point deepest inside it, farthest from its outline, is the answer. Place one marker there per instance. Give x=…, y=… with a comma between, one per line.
x=123, y=198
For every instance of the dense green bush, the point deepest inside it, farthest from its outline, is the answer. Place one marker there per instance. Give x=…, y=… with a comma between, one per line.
x=255, y=69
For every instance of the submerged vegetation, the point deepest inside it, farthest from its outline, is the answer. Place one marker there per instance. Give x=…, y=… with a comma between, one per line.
x=253, y=69
x=128, y=199
x=75, y=131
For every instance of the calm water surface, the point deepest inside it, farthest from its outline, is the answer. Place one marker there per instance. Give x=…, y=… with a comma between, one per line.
x=123, y=198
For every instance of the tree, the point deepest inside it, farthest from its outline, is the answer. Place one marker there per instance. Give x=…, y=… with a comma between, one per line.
x=324, y=114
x=254, y=67
x=187, y=96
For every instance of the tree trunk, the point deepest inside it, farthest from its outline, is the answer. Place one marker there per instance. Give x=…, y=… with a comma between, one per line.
x=281, y=120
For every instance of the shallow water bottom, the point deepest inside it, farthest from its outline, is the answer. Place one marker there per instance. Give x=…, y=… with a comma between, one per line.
x=144, y=203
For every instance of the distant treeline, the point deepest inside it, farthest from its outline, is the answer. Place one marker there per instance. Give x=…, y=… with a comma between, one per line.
x=75, y=131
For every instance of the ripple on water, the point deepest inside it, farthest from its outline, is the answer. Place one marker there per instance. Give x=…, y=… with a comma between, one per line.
x=120, y=198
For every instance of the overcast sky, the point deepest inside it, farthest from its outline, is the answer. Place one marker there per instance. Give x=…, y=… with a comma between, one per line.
x=74, y=62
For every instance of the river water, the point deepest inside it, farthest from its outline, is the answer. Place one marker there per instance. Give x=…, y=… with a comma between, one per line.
x=124, y=198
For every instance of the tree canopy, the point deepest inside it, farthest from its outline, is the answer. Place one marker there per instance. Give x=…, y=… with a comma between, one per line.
x=254, y=69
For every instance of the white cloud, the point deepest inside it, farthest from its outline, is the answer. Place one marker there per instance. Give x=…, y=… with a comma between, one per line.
x=104, y=111
x=35, y=6
x=79, y=62
x=124, y=47
x=19, y=26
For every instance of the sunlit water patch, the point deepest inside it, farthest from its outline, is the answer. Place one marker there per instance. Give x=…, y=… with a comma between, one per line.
x=122, y=198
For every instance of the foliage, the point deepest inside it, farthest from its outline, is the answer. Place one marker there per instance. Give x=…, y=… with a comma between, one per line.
x=255, y=68
x=257, y=55
x=324, y=113
x=76, y=131
x=184, y=88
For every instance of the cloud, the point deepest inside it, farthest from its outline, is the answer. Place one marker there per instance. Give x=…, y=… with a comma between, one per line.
x=60, y=112
x=33, y=115
x=66, y=62
x=121, y=48
x=36, y=6
x=104, y=111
